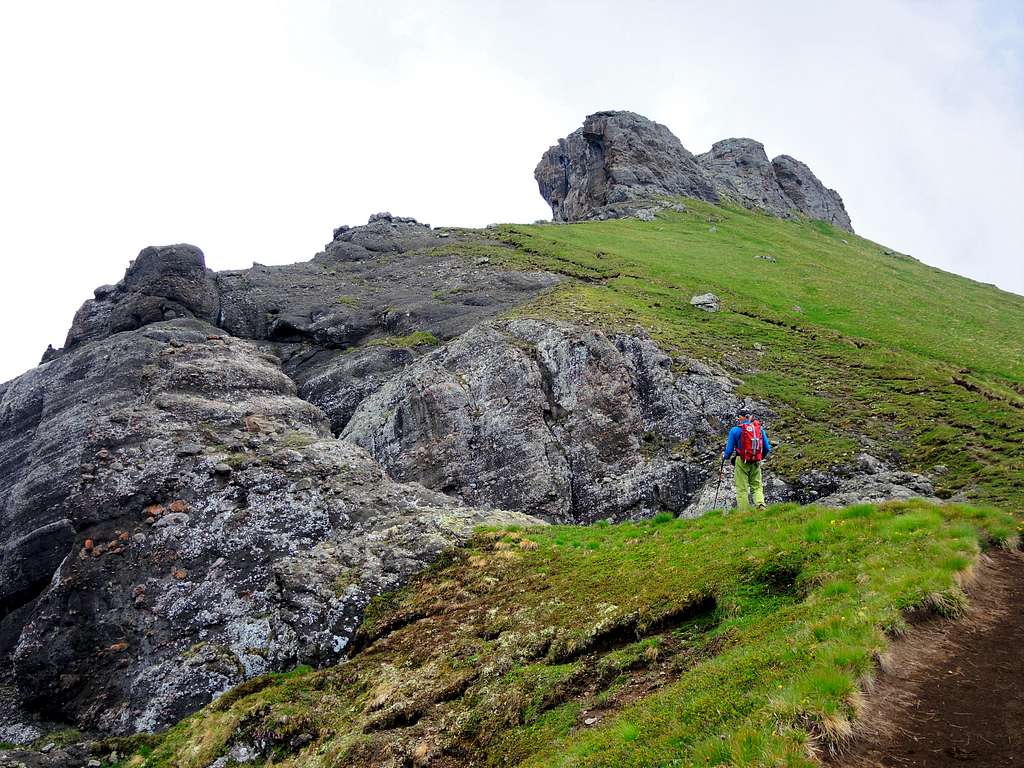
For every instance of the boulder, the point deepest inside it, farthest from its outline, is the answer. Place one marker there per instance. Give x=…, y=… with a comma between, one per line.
x=162, y=283
x=707, y=302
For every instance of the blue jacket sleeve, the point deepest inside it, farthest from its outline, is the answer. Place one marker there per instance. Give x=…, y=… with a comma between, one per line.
x=767, y=445
x=730, y=445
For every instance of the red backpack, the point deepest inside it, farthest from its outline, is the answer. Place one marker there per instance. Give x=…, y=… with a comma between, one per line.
x=751, y=442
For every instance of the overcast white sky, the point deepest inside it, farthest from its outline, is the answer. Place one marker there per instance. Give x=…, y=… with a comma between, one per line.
x=253, y=128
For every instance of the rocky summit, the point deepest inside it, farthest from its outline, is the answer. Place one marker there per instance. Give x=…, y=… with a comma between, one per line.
x=622, y=164
x=225, y=478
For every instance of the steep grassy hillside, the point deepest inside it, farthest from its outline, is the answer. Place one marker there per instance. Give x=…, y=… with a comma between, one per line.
x=738, y=640
x=857, y=347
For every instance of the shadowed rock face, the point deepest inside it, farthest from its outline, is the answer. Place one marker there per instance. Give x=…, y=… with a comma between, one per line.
x=613, y=160
x=620, y=164
x=808, y=194
x=371, y=281
x=741, y=170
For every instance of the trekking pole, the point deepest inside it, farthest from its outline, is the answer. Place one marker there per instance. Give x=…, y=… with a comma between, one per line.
x=721, y=471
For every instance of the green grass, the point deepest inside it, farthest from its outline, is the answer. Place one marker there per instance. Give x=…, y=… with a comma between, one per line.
x=414, y=339
x=348, y=301
x=853, y=349
x=838, y=280
x=726, y=640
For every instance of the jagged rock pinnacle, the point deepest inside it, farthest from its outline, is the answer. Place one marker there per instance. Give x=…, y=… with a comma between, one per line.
x=619, y=163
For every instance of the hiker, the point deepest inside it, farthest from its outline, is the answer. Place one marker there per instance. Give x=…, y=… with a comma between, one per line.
x=746, y=448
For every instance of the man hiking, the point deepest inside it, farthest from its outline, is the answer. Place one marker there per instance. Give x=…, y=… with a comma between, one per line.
x=747, y=446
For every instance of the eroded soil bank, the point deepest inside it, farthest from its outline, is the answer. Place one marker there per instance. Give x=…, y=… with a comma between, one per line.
x=953, y=694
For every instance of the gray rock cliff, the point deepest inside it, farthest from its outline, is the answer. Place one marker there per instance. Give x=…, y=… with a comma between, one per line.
x=200, y=526
x=559, y=421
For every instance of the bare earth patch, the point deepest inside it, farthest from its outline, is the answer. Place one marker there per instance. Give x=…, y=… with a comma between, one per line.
x=953, y=691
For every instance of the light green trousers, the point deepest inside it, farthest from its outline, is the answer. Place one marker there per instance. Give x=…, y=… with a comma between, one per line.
x=748, y=479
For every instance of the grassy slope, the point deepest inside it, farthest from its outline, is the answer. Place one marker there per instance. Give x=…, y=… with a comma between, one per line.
x=723, y=640
x=861, y=350
x=502, y=654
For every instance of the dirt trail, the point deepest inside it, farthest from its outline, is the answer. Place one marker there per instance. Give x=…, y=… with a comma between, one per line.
x=954, y=695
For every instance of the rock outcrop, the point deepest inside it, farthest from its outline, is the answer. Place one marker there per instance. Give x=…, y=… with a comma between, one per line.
x=559, y=421
x=174, y=518
x=808, y=194
x=620, y=164
x=614, y=160
x=390, y=277
x=740, y=170
x=199, y=525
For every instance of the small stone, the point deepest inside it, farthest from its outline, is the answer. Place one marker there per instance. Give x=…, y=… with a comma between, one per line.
x=88, y=545
x=301, y=740
x=118, y=647
x=255, y=424
x=707, y=302
x=154, y=510
x=180, y=574
x=94, y=764
x=173, y=519
x=190, y=449
x=222, y=469
x=481, y=261
x=49, y=746
x=102, y=454
x=304, y=484
x=179, y=505
x=590, y=721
